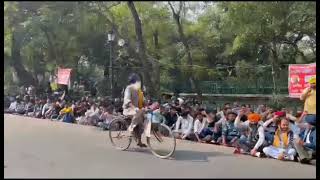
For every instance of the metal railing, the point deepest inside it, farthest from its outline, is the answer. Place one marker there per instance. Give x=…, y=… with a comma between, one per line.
x=219, y=88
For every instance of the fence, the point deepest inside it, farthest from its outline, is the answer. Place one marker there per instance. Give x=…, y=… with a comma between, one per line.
x=251, y=80
x=213, y=87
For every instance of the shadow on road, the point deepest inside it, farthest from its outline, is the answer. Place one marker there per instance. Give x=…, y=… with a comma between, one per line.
x=196, y=156
x=185, y=155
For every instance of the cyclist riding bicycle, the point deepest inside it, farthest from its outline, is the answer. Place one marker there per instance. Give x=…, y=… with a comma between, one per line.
x=133, y=107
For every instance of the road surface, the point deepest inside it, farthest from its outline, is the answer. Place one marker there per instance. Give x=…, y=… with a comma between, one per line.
x=36, y=148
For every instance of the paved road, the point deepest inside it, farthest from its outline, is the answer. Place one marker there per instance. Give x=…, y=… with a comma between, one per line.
x=44, y=149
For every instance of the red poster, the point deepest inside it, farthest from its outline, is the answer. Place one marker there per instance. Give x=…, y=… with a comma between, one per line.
x=64, y=76
x=299, y=75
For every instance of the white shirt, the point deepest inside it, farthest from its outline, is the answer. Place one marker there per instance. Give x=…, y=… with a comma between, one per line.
x=308, y=135
x=186, y=124
x=92, y=112
x=46, y=107
x=13, y=105
x=199, y=126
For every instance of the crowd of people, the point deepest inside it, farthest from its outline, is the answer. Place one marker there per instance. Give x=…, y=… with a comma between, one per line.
x=59, y=107
x=263, y=132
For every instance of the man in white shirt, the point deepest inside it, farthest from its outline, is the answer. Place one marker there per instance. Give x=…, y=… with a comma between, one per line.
x=186, y=122
x=13, y=106
x=46, y=107
x=20, y=107
x=199, y=124
x=93, y=114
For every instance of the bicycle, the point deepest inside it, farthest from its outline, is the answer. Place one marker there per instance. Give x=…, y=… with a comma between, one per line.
x=160, y=137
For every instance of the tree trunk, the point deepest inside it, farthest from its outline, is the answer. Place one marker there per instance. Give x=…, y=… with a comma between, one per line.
x=25, y=77
x=157, y=67
x=274, y=60
x=146, y=65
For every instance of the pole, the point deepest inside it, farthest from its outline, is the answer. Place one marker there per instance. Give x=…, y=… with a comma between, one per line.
x=110, y=70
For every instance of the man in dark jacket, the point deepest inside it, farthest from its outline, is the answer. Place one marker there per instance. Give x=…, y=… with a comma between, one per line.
x=306, y=143
x=171, y=117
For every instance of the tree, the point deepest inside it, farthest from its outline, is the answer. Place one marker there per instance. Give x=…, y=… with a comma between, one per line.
x=147, y=61
x=178, y=20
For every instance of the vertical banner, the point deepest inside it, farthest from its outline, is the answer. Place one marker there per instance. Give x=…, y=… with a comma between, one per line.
x=299, y=75
x=64, y=76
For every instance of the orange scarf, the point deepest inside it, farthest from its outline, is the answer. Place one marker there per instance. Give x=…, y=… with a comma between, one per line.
x=140, y=99
x=284, y=138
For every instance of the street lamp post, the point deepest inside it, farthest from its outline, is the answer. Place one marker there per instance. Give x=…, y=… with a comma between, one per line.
x=111, y=38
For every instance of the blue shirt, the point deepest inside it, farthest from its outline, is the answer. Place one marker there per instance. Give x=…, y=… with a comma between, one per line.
x=228, y=129
x=155, y=117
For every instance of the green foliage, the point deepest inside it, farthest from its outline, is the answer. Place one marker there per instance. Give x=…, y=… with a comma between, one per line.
x=242, y=35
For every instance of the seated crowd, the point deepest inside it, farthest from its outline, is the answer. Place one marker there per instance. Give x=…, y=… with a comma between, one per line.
x=86, y=111
x=275, y=133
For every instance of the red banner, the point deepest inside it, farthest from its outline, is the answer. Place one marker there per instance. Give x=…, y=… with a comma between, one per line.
x=64, y=76
x=299, y=75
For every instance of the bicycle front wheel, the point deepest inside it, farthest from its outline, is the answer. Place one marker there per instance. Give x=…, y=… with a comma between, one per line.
x=162, y=143
x=119, y=135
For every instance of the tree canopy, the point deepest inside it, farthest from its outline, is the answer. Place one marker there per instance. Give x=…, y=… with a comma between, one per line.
x=175, y=46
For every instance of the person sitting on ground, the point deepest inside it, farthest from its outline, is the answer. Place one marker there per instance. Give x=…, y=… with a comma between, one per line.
x=29, y=108
x=37, y=109
x=282, y=147
x=92, y=115
x=20, y=107
x=305, y=145
x=46, y=107
x=217, y=130
x=230, y=133
x=67, y=113
x=199, y=125
x=13, y=106
x=53, y=113
x=106, y=117
x=210, y=116
x=80, y=109
x=271, y=125
x=253, y=140
x=171, y=116
x=186, y=123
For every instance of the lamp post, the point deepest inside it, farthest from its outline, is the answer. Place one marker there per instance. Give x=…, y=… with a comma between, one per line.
x=111, y=38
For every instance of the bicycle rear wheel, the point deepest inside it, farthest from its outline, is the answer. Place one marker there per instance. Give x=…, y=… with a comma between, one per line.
x=119, y=135
x=162, y=143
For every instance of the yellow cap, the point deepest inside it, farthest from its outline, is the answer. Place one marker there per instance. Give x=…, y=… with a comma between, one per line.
x=312, y=80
